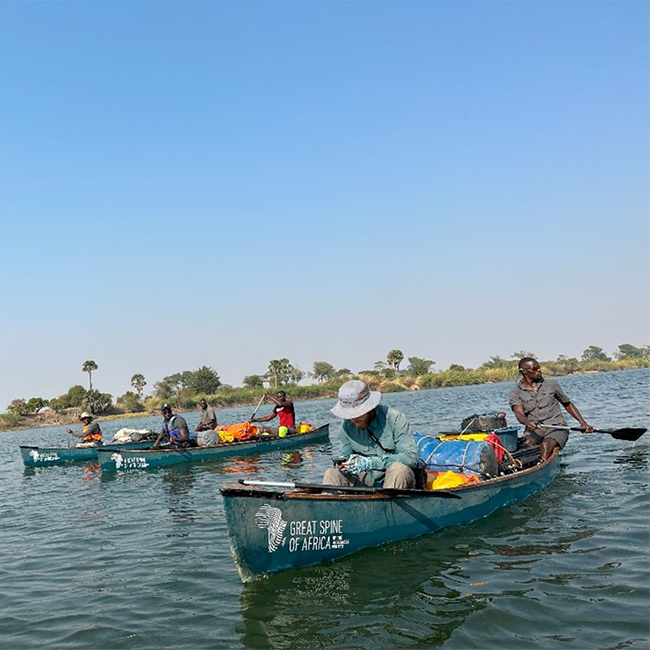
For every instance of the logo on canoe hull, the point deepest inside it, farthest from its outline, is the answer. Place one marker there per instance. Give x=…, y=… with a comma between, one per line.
x=43, y=457
x=271, y=518
x=303, y=534
x=134, y=462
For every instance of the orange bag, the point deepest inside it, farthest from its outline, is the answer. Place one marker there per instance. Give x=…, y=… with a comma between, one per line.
x=238, y=431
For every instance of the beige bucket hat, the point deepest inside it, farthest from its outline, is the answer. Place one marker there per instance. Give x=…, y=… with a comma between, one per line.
x=355, y=400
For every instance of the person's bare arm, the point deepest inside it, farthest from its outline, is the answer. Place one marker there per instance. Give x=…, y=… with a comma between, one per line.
x=522, y=419
x=572, y=410
x=270, y=416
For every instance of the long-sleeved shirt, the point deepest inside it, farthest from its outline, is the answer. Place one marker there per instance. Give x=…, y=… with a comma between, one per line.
x=91, y=429
x=393, y=431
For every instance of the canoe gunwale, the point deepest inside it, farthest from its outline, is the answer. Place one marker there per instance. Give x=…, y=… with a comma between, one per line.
x=108, y=446
x=236, y=490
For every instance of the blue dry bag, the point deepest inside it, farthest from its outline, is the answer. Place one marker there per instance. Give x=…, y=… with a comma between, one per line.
x=467, y=456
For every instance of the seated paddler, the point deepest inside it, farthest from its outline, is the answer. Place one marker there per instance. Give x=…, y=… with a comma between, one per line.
x=91, y=433
x=283, y=410
x=174, y=430
x=208, y=419
x=375, y=441
x=535, y=402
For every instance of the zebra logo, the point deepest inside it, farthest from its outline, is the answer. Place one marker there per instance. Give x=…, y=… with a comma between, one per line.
x=271, y=518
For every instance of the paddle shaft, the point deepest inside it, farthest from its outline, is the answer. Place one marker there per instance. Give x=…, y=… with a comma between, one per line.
x=257, y=407
x=630, y=433
x=351, y=488
x=557, y=426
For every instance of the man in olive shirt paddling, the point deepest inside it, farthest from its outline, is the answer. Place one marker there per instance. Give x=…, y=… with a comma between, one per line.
x=536, y=404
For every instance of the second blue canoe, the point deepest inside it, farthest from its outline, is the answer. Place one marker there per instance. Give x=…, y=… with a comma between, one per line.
x=126, y=459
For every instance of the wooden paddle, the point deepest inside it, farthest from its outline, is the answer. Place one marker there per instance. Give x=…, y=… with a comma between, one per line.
x=628, y=433
x=354, y=489
x=256, y=408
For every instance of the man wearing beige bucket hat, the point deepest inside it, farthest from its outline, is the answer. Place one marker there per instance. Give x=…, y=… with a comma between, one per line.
x=375, y=441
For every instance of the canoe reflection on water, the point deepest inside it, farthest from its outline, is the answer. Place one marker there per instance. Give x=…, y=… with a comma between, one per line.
x=178, y=483
x=417, y=580
x=247, y=465
x=292, y=459
x=388, y=596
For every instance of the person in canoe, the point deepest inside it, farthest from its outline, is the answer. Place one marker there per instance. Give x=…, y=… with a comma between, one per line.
x=536, y=404
x=375, y=441
x=208, y=419
x=174, y=429
x=91, y=433
x=284, y=411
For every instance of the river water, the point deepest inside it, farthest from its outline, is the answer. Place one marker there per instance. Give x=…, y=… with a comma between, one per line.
x=141, y=559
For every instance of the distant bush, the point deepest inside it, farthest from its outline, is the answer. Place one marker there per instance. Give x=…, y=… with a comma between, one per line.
x=392, y=387
x=130, y=402
x=153, y=404
x=9, y=421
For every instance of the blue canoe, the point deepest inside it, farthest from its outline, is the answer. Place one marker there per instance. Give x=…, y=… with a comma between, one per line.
x=272, y=529
x=126, y=459
x=45, y=456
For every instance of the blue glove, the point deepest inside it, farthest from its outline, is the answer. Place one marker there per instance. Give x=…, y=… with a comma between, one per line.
x=357, y=464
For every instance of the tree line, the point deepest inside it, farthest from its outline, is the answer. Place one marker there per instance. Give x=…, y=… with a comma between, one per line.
x=185, y=388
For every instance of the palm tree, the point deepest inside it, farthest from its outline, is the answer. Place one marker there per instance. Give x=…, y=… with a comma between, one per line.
x=394, y=358
x=281, y=371
x=138, y=382
x=88, y=367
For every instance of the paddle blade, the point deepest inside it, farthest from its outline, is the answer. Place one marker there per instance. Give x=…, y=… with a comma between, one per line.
x=627, y=434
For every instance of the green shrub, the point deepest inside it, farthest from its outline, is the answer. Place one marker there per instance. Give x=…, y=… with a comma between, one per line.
x=9, y=421
x=130, y=402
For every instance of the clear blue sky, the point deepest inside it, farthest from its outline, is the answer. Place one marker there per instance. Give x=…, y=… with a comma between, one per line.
x=226, y=183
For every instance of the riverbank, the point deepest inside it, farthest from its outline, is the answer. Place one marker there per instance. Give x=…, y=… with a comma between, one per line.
x=232, y=397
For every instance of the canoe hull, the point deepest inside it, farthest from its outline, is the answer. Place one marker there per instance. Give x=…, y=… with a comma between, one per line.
x=46, y=456
x=122, y=459
x=273, y=531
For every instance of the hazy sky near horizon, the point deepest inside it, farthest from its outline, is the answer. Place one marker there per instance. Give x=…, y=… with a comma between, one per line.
x=226, y=183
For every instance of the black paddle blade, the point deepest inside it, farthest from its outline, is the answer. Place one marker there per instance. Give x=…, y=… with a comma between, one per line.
x=627, y=434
